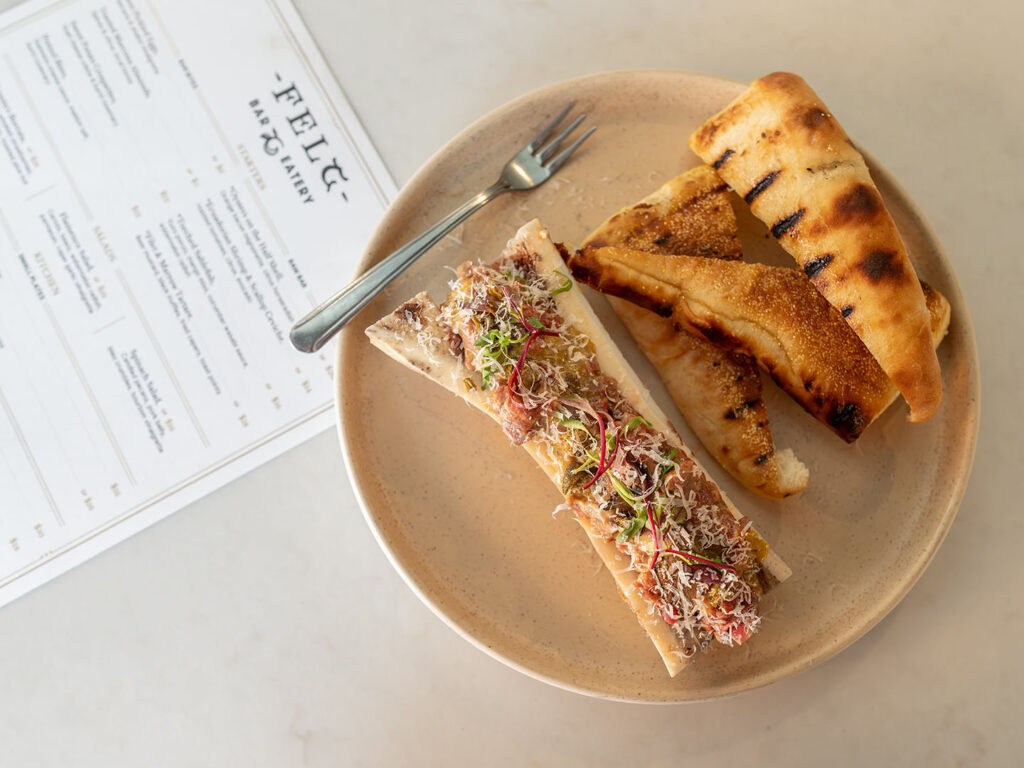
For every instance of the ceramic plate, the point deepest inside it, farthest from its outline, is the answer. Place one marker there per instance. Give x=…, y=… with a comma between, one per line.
x=467, y=519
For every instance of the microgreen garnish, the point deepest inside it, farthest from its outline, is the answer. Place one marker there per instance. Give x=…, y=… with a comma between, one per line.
x=655, y=532
x=508, y=275
x=535, y=328
x=495, y=355
x=667, y=464
x=613, y=436
x=634, y=422
x=631, y=529
x=590, y=462
x=647, y=515
x=573, y=424
x=637, y=524
x=566, y=286
x=606, y=442
x=606, y=459
x=699, y=560
x=625, y=494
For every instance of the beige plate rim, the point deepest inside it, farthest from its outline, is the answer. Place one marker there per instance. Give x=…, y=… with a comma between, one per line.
x=354, y=333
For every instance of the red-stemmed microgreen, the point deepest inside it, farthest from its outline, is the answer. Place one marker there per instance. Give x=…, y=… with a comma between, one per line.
x=642, y=504
x=698, y=560
x=652, y=518
x=604, y=438
x=534, y=328
x=646, y=513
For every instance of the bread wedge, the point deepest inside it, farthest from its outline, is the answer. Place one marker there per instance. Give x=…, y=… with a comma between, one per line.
x=778, y=146
x=568, y=393
x=717, y=391
x=773, y=314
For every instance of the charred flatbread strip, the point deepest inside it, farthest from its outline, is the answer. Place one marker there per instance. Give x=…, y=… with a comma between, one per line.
x=780, y=148
x=771, y=313
x=717, y=391
x=517, y=340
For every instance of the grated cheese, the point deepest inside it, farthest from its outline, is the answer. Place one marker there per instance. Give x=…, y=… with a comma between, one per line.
x=538, y=384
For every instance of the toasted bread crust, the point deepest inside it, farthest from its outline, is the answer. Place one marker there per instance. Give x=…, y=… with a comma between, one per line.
x=719, y=394
x=771, y=313
x=779, y=147
x=717, y=391
x=689, y=214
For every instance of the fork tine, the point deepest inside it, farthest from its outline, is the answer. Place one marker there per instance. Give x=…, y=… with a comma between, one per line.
x=562, y=156
x=540, y=137
x=551, y=148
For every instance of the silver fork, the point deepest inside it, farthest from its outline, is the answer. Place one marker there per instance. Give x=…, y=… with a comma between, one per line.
x=530, y=168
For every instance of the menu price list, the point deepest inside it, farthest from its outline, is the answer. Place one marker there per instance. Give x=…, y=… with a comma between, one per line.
x=170, y=193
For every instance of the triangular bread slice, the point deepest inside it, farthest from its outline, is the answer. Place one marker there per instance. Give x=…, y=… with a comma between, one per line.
x=414, y=336
x=779, y=148
x=717, y=391
x=771, y=313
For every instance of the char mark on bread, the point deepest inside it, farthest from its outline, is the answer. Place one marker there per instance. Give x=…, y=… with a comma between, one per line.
x=848, y=422
x=861, y=203
x=786, y=223
x=760, y=186
x=811, y=117
x=814, y=267
x=882, y=266
x=722, y=158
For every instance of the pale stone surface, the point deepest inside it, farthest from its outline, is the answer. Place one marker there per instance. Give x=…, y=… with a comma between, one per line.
x=262, y=626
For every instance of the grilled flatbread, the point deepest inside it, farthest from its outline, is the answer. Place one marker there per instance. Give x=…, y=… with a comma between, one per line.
x=779, y=148
x=696, y=575
x=718, y=391
x=771, y=313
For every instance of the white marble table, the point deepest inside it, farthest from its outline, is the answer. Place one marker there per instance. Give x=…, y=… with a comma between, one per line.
x=262, y=626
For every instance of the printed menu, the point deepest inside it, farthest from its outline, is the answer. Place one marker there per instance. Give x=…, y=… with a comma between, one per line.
x=179, y=182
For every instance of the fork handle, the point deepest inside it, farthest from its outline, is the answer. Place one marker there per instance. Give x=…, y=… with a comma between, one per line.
x=313, y=331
